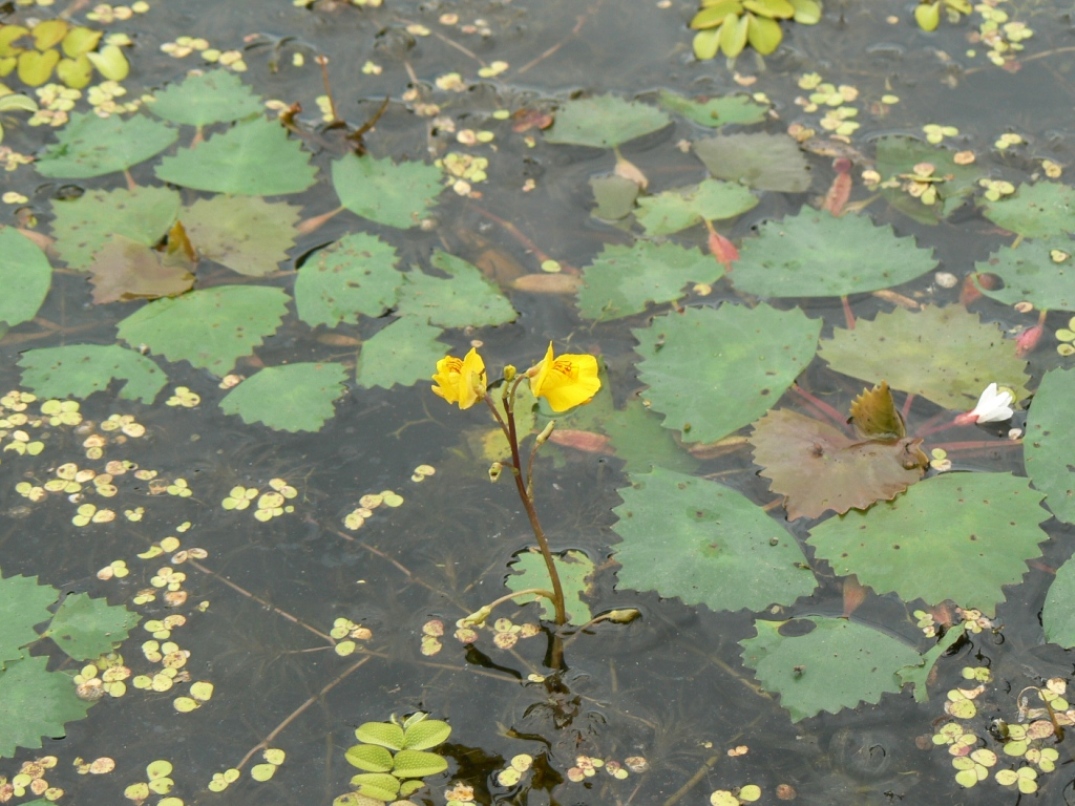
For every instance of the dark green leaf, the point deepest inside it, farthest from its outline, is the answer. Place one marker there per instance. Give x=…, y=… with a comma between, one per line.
x=399, y=195
x=604, y=121
x=92, y=146
x=405, y=352
x=761, y=161
x=79, y=370
x=1041, y=210
x=217, y=96
x=355, y=276
x=1032, y=273
x=293, y=397
x=1047, y=447
x=23, y=603
x=25, y=276
x=464, y=299
x=85, y=627
x=35, y=703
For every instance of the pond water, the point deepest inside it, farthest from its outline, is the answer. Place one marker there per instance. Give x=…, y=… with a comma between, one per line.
x=225, y=472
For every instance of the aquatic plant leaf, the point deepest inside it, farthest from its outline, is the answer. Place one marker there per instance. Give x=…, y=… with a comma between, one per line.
x=730, y=109
x=383, y=734
x=836, y=665
x=958, y=536
x=426, y=734
x=23, y=603
x=1050, y=433
x=245, y=233
x=356, y=276
x=369, y=758
x=401, y=353
x=396, y=194
x=1042, y=210
x=623, y=280
x=380, y=786
x=79, y=370
x=604, y=121
x=126, y=270
x=818, y=468
x=675, y=210
x=85, y=627
x=1032, y=272
x=713, y=370
x=1058, y=615
x=292, y=397
x=576, y=577
x=35, y=703
x=211, y=328
x=899, y=154
x=705, y=543
x=252, y=158
x=918, y=674
x=25, y=274
x=615, y=196
x=463, y=299
x=217, y=96
x=874, y=415
x=814, y=254
x=92, y=146
x=761, y=161
x=417, y=764
x=82, y=226
x=947, y=355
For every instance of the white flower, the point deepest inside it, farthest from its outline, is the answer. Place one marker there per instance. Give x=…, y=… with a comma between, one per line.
x=994, y=406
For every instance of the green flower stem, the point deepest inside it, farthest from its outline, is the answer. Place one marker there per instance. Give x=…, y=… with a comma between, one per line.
x=480, y=616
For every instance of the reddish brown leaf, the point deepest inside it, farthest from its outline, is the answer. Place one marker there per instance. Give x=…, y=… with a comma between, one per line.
x=585, y=441
x=1027, y=341
x=126, y=270
x=525, y=119
x=818, y=468
x=723, y=249
x=840, y=189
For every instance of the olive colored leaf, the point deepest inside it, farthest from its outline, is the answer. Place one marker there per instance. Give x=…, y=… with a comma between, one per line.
x=383, y=734
x=211, y=328
x=947, y=355
x=818, y=468
x=712, y=13
x=1038, y=271
x=23, y=603
x=34, y=67
x=426, y=734
x=369, y=758
x=292, y=397
x=245, y=233
x=874, y=414
x=1047, y=446
x=928, y=15
x=35, y=703
x=712, y=371
x=25, y=276
x=403, y=353
x=217, y=96
x=705, y=543
x=1042, y=210
x=706, y=44
x=675, y=210
x=126, y=270
x=380, y=786
x=733, y=34
x=252, y=158
x=80, y=41
x=110, y=62
x=918, y=674
x=356, y=276
x=576, y=577
x=761, y=161
x=92, y=146
x=836, y=665
x=623, y=280
x=82, y=226
x=899, y=154
x=807, y=12
x=958, y=536
x=79, y=370
x=814, y=254
x=1058, y=615
x=764, y=34
x=396, y=194
x=615, y=196
x=604, y=121
x=417, y=764
x=85, y=627
x=729, y=109
x=75, y=73
x=464, y=299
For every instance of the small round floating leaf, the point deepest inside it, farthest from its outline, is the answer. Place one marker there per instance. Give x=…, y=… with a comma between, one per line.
x=396, y=194
x=110, y=62
x=92, y=146
x=36, y=67
x=370, y=758
x=48, y=33
x=25, y=274
x=262, y=772
x=274, y=755
x=202, y=691
x=75, y=73
x=604, y=121
x=1041, y=210
x=417, y=764
x=737, y=109
x=426, y=734
x=928, y=15
x=161, y=768
x=385, y=734
x=79, y=370
x=761, y=161
x=1030, y=274
x=80, y=41
x=218, y=96
x=1047, y=447
x=376, y=785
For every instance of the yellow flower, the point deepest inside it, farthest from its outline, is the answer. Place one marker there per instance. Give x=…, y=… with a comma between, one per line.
x=461, y=380
x=566, y=381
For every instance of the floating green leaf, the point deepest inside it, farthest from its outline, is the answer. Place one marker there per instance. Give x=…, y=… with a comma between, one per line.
x=675, y=210
x=401, y=353
x=293, y=397
x=1038, y=271
x=25, y=275
x=899, y=154
x=1047, y=446
x=417, y=764
x=383, y=734
x=379, y=786
x=958, y=536
x=576, y=577
x=352, y=277
x=604, y=121
x=615, y=196
x=947, y=355
x=747, y=360
x=398, y=195
x=369, y=758
x=245, y=233
x=211, y=327
x=425, y=733
x=761, y=161
x=731, y=109
x=1058, y=615
x=622, y=280
x=464, y=299
x=23, y=603
x=918, y=673
x=814, y=254
x=79, y=370
x=85, y=627
x=1041, y=210
x=92, y=146
x=836, y=665
x=82, y=226
x=253, y=158
x=35, y=702
x=707, y=544
x=217, y=96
